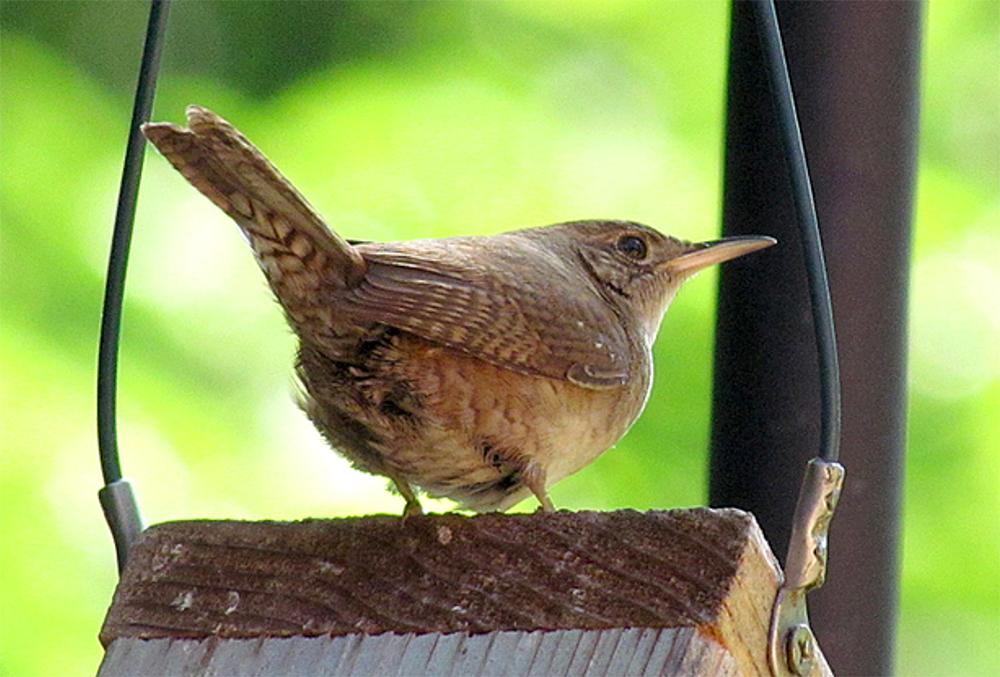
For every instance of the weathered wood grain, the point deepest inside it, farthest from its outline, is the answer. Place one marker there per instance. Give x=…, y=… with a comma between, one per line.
x=454, y=578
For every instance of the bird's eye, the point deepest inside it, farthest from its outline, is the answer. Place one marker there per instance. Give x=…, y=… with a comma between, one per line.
x=632, y=246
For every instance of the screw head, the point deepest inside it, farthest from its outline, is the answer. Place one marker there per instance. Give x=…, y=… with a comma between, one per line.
x=800, y=650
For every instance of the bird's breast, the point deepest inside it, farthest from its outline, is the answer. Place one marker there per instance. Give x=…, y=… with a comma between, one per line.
x=479, y=418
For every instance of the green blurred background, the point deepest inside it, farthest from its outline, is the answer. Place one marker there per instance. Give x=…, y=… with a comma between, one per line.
x=425, y=119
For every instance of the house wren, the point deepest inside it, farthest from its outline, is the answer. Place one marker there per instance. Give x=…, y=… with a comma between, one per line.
x=477, y=368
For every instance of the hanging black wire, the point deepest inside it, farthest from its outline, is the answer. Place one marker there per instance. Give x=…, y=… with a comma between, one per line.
x=805, y=212
x=121, y=509
x=107, y=362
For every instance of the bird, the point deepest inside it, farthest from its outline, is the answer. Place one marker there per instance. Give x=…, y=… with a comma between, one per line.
x=482, y=369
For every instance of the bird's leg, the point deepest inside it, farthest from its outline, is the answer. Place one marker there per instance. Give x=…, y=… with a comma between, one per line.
x=413, y=506
x=534, y=479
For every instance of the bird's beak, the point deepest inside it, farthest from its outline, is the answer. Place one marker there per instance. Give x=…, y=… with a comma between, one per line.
x=704, y=254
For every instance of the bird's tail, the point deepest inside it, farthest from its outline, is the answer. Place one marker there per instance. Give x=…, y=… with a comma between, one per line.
x=299, y=254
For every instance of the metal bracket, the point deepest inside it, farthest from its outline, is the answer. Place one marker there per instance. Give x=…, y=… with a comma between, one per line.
x=792, y=650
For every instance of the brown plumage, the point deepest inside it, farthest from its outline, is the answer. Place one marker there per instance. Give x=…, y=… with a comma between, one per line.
x=477, y=368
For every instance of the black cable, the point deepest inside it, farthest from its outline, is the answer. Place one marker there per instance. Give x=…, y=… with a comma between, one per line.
x=117, y=499
x=805, y=211
x=107, y=363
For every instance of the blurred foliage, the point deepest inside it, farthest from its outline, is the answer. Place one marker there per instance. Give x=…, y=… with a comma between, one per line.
x=426, y=119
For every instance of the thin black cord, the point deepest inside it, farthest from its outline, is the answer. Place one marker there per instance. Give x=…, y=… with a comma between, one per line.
x=805, y=211
x=107, y=363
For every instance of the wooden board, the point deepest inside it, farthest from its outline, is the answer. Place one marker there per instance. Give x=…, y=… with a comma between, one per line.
x=522, y=576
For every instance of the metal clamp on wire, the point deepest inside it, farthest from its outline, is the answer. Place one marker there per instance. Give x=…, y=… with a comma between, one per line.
x=791, y=645
x=121, y=510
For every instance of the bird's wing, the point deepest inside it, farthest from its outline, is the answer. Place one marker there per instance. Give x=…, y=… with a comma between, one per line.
x=494, y=299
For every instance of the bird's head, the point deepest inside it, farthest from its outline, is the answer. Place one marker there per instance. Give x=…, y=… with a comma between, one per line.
x=639, y=269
